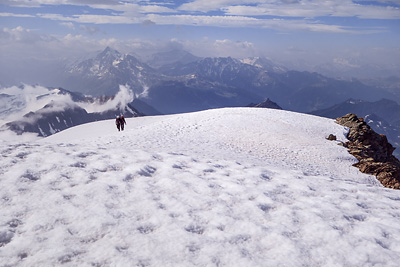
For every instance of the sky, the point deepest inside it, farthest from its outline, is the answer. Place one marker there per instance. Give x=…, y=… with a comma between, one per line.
x=302, y=33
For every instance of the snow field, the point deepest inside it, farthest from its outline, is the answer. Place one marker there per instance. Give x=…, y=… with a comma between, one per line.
x=230, y=187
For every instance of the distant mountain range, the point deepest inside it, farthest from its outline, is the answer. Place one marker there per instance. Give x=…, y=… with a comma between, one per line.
x=177, y=82
x=180, y=82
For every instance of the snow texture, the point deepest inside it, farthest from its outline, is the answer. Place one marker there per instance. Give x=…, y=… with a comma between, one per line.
x=227, y=187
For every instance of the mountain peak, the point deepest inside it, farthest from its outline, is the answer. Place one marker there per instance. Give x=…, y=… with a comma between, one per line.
x=268, y=103
x=109, y=53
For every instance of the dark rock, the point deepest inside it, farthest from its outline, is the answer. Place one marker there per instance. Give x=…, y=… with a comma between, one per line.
x=373, y=151
x=331, y=137
x=266, y=104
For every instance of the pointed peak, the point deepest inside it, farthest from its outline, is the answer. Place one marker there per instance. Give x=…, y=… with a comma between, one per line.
x=110, y=52
x=109, y=49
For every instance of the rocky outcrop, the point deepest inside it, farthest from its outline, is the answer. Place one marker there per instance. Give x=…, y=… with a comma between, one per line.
x=372, y=150
x=266, y=104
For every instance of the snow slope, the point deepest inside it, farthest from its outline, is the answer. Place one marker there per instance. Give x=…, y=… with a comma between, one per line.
x=226, y=187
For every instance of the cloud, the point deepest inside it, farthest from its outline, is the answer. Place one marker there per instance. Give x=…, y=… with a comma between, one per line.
x=243, y=21
x=233, y=20
x=89, y=29
x=300, y=9
x=15, y=102
x=22, y=35
x=226, y=48
x=312, y=9
x=219, y=21
x=206, y=5
x=95, y=19
x=88, y=2
x=24, y=44
x=24, y=99
x=38, y=3
x=310, y=15
x=16, y=15
x=69, y=25
x=121, y=100
x=390, y=2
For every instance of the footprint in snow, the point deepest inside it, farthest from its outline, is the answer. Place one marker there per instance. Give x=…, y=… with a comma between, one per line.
x=30, y=175
x=147, y=171
x=195, y=229
x=146, y=229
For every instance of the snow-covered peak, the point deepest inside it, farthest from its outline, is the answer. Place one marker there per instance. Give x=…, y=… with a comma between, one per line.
x=251, y=61
x=264, y=63
x=281, y=136
x=108, y=70
x=109, y=53
x=227, y=187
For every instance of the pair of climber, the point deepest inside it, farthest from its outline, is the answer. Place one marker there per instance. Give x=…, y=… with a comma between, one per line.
x=120, y=122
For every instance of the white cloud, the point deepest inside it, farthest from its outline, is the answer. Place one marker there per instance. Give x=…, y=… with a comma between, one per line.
x=294, y=8
x=69, y=25
x=226, y=48
x=20, y=35
x=38, y=3
x=121, y=100
x=95, y=19
x=206, y=5
x=390, y=2
x=232, y=13
x=242, y=21
x=16, y=15
x=89, y=29
x=27, y=99
x=219, y=21
x=311, y=9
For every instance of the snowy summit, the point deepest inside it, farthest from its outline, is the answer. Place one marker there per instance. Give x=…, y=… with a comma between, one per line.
x=225, y=187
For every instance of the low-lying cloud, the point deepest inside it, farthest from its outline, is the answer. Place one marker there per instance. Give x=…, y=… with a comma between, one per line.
x=15, y=102
x=120, y=101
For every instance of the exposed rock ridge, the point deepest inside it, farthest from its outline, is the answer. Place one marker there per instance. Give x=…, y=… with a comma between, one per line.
x=266, y=104
x=372, y=150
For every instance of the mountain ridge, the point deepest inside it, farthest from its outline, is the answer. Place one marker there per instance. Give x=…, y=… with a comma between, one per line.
x=255, y=79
